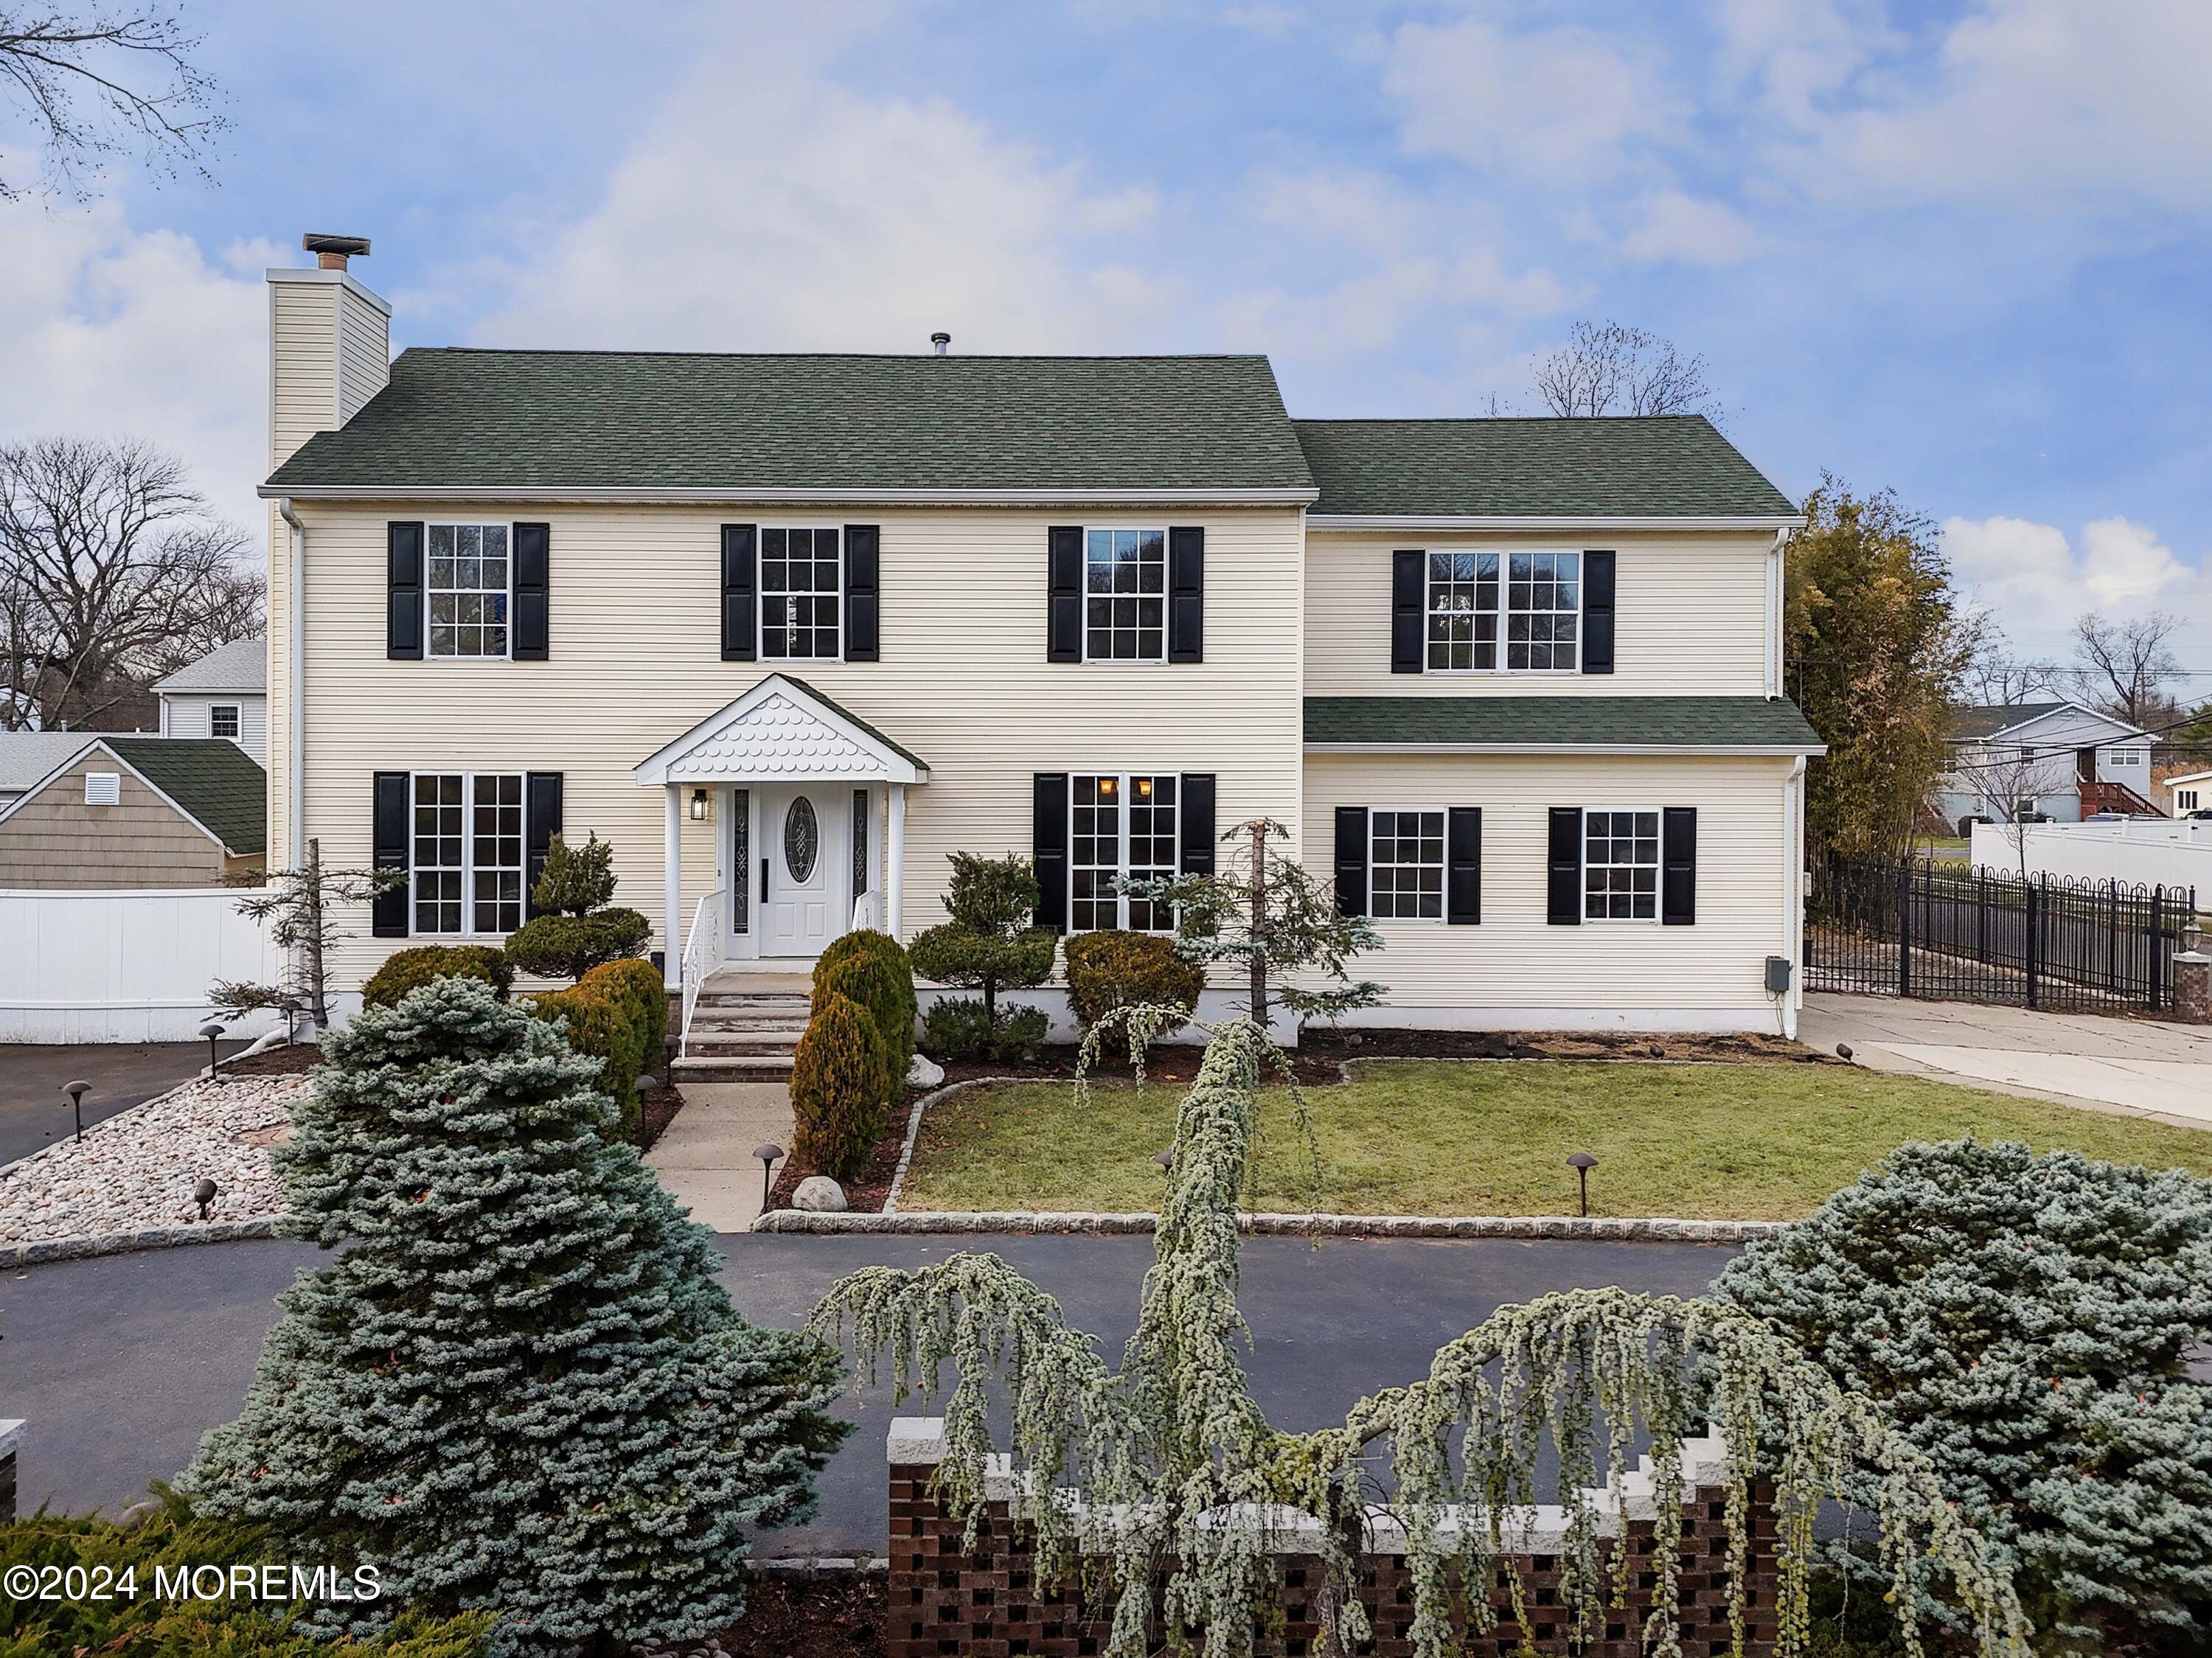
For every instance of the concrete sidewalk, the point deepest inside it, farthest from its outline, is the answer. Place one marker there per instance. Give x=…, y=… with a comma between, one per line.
x=2142, y=1067
x=706, y=1160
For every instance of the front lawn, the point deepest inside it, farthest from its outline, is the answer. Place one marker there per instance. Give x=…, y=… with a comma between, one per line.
x=1753, y=1142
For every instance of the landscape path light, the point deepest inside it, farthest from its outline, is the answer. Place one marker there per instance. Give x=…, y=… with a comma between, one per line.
x=1581, y=1163
x=211, y=1031
x=77, y=1092
x=769, y=1154
x=204, y=1195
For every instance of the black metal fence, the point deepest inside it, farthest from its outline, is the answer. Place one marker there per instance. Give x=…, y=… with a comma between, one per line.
x=1948, y=933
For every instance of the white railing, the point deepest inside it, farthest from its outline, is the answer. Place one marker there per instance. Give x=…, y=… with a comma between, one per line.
x=702, y=954
x=868, y=913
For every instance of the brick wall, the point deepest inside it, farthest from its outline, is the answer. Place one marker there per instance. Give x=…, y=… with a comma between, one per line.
x=986, y=1603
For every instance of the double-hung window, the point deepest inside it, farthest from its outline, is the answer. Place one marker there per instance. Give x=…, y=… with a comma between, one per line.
x=801, y=593
x=223, y=721
x=1406, y=864
x=1124, y=575
x=1620, y=866
x=1121, y=827
x=467, y=851
x=1511, y=612
x=468, y=582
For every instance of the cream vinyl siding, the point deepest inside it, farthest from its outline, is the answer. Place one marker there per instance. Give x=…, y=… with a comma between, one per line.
x=303, y=342
x=1691, y=615
x=1515, y=960
x=635, y=661
x=364, y=347
x=187, y=713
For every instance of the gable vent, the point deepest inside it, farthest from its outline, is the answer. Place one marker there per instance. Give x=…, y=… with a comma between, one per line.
x=103, y=788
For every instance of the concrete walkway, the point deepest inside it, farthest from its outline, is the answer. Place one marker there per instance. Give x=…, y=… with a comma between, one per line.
x=706, y=1158
x=2141, y=1068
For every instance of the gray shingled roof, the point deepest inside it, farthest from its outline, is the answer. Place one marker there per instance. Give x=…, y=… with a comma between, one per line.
x=210, y=777
x=1658, y=722
x=1969, y=724
x=1663, y=466
x=457, y=419
x=240, y=665
x=27, y=757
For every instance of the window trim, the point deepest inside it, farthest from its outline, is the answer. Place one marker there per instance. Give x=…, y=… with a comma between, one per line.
x=428, y=653
x=237, y=714
x=1125, y=780
x=1504, y=611
x=1083, y=595
x=760, y=594
x=1658, y=867
x=468, y=864
x=1443, y=865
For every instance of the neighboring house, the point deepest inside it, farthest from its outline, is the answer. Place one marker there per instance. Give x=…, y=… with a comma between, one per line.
x=25, y=758
x=224, y=694
x=137, y=811
x=2191, y=791
x=2060, y=761
x=788, y=630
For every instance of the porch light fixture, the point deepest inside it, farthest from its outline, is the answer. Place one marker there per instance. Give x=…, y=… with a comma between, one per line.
x=703, y=806
x=1581, y=1163
x=76, y=1091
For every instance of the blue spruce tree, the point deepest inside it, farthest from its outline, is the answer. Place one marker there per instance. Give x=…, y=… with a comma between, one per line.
x=519, y=1386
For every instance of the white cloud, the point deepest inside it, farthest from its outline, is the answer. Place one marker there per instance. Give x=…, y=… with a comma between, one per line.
x=1792, y=55
x=1680, y=229
x=2036, y=581
x=107, y=331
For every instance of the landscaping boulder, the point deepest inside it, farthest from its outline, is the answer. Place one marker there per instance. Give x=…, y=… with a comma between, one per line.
x=819, y=1194
x=924, y=1072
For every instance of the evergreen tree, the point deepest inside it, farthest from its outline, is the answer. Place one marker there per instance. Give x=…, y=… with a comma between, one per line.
x=520, y=1386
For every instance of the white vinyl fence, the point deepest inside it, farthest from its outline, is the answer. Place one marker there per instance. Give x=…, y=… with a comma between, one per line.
x=2145, y=852
x=124, y=965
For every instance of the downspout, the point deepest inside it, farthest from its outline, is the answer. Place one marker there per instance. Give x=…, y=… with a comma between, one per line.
x=1793, y=894
x=1774, y=605
x=296, y=691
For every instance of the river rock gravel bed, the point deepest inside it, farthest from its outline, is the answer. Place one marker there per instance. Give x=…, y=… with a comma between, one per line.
x=138, y=1169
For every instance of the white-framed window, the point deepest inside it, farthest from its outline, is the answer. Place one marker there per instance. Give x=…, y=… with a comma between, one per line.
x=2184, y=800
x=1505, y=612
x=802, y=593
x=1620, y=866
x=465, y=851
x=1405, y=863
x=2124, y=756
x=223, y=721
x=1125, y=587
x=470, y=569
x=1121, y=827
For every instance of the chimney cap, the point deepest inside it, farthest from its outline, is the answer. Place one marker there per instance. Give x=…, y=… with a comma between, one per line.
x=940, y=339
x=316, y=242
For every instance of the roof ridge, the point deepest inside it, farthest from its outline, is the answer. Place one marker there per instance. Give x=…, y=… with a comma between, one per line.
x=1494, y=420
x=870, y=356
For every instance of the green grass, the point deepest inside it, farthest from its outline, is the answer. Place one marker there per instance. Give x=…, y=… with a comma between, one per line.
x=1754, y=1142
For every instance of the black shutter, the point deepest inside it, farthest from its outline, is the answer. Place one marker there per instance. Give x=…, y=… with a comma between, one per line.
x=1049, y=847
x=862, y=608
x=1351, y=860
x=1463, y=867
x=403, y=604
x=387, y=837
x=1563, y=891
x=1678, y=866
x=1408, y=595
x=541, y=822
x=1197, y=825
x=740, y=613
x=1597, y=612
x=534, y=559
x=1063, y=580
x=1187, y=595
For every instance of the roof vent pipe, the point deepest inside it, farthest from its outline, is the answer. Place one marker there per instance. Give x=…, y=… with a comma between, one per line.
x=941, y=340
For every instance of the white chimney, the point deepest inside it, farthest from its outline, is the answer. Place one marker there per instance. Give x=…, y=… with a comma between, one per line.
x=330, y=344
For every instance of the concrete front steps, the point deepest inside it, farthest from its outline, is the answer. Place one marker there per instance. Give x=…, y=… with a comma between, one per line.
x=741, y=1032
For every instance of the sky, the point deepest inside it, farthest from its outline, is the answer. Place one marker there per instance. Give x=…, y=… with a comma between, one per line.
x=1960, y=251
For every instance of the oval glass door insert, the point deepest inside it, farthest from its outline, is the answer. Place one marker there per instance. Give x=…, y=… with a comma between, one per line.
x=802, y=840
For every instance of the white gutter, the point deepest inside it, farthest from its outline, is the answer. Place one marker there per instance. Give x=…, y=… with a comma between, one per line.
x=678, y=496
x=1532, y=521
x=1725, y=749
x=296, y=692
x=1793, y=895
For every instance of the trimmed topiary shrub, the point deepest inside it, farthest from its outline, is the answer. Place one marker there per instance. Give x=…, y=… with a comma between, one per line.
x=899, y=1026
x=987, y=945
x=1113, y=968
x=2027, y=1322
x=570, y=947
x=575, y=880
x=410, y=969
x=617, y=1014
x=959, y=1028
x=837, y=1095
x=520, y=1386
x=885, y=995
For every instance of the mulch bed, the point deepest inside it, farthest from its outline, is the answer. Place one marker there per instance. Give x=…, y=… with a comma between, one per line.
x=840, y=1615
x=1333, y=1046
x=660, y=1101
x=290, y=1060
x=865, y=1192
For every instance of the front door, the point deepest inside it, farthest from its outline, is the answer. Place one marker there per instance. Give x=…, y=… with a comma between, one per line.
x=803, y=902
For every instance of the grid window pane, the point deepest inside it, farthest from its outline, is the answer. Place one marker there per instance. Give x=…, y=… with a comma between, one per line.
x=801, y=593
x=1462, y=611
x=1543, y=602
x=1094, y=852
x=223, y=721
x=1152, y=849
x=440, y=854
x=1121, y=829
x=1620, y=866
x=1125, y=582
x=468, y=853
x=1533, y=599
x=467, y=585
x=1405, y=864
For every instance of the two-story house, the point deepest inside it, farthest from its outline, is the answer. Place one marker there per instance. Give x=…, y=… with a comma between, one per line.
x=788, y=629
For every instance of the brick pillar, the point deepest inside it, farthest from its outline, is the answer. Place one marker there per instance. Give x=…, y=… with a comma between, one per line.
x=2192, y=988
x=11, y=1438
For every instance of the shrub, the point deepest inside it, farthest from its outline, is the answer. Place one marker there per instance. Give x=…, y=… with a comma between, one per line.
x=837, y=1095
x=617, y=1014
x=1111, y=969
x=570, y=947
x=410, y=969
x=882, y=947
x=887, y=995
x=575, y=880
x=987, y=945
x=2027, y=1322
x=959, y=1027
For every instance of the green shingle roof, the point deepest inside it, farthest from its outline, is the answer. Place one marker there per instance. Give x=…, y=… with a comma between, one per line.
x=1655, y=722
x=1663, y=466
x=459, y=419
x=210, y=777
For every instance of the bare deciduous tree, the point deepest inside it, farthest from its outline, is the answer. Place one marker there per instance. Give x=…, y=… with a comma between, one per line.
x=1995, y=676
x=97, y=81
x=2126, y=667
x=112, y=571
x=1609, y=368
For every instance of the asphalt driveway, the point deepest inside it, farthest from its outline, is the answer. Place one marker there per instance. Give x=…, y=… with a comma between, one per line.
x=119, y=1363
x=35, y=1112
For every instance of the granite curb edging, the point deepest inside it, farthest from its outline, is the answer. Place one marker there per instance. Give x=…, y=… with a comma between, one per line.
x=43, y=1250
x=922, y=1102
x=1607, y=1229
